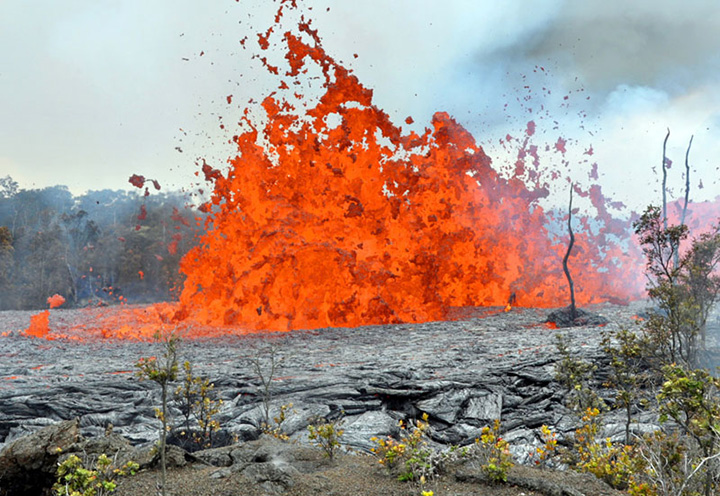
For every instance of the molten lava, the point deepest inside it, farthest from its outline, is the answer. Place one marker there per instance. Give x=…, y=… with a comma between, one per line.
x=334, y=217
x=331, y=215
x=55, y=301
x=39, y=325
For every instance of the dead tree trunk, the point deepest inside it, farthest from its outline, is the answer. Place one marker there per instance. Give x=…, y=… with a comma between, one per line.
x=687, y=193
x=687, y=180
x=664, y=181
x=573, y=310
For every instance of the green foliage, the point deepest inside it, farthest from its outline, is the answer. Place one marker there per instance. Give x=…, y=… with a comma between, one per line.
x=493, y=453
x=6, y=267
x=197, y=400
x=575, y=375
x=684, y=289
x=668, y=466
x=86, y=247
x=691, y=399
x=629, y=371
x=162, y=371
x=683, y=458
x=614, y=463
x=326, y=435
x=74, y=479
x=388, y=451
x=418, y=465
x=276, y=430
x=702, y=276
x=411, y=458
x=544, y=453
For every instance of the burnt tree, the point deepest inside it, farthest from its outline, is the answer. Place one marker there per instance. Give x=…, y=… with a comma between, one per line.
x=573, y=310
x=664, y=180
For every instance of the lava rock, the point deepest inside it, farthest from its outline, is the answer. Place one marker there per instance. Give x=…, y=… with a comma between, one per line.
x=464, y=373
x=564, y=318
x=28, y=465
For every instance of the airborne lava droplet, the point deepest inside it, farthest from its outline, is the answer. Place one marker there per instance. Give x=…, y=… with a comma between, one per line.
x=55, y=300
x=137, y=181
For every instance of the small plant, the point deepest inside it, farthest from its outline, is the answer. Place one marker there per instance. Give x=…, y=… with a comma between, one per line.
x=629, y=371
x=73, y=479
x=326, y=435
x=266, y=365
x=196, y=399
x=615, y=464
x=494, y=453
x=575, y=375
x=690, y=398
x=410, y=458
x=544, y=453
x=388, y=451
x=276, y=430
x=162, y=371
x=185, y=394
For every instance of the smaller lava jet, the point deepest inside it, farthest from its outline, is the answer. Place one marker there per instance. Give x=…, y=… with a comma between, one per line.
x=40, y=323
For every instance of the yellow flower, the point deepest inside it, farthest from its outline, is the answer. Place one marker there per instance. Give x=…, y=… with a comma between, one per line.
x=427, y=493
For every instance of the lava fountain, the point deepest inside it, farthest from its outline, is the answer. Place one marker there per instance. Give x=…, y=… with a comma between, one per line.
x=331, y=216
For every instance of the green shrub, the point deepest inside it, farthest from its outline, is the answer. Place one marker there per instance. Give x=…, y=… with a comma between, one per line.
x=543, y=454
x=196, y=399
x=411, y=458
x=684, y=289
x=276, y=430
x=74, y=479
x=614, y=463
x=326, y=435
x=630, y=371
x=575, y=375
x=494, y=453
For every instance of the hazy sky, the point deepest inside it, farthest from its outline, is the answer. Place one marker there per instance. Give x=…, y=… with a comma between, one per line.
x=92, y=91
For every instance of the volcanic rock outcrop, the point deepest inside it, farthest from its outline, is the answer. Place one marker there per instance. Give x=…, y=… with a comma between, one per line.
x=28, y=464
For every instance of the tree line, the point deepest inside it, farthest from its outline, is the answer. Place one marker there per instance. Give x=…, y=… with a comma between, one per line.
x=101, y=247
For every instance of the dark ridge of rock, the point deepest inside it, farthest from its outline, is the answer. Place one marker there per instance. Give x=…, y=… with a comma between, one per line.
x=28, y=465
x=564, y=318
